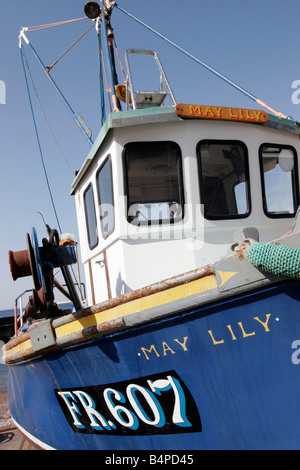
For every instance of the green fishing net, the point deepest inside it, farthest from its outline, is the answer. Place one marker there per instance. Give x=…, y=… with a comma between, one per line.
x=276, y=259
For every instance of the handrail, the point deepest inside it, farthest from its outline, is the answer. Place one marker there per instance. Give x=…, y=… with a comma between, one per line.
x=16, y=319
x=129, y=83
x=19, y=319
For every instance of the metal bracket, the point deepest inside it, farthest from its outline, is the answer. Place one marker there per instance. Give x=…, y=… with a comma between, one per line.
x=42, y=335
x=244, y=236
x=22, y=36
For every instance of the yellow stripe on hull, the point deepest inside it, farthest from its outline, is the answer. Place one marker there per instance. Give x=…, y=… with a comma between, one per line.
x=183, y=291
x=139, y=305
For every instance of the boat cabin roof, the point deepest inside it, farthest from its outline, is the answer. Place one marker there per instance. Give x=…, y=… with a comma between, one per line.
x=156, y=115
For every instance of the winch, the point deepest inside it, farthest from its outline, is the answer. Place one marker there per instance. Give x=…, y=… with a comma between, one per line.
x=39, y=262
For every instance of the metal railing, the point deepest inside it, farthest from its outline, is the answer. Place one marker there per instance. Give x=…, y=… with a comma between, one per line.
x=19, y=318
x=147, y=99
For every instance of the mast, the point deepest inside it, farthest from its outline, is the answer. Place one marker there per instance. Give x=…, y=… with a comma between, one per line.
x=103, y=12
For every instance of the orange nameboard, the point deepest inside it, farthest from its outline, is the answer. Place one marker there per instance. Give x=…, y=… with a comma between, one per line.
x=198, y=111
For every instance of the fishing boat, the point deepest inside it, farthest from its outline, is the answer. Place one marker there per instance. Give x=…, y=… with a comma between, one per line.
x=189, y=337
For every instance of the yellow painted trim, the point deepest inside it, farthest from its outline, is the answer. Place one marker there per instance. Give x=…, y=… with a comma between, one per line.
x=17, y=349
x=225, y=276
x=204, y=284
x=155, y=300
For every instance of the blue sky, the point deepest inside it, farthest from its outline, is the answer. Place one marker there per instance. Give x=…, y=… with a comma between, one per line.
x=253, y=43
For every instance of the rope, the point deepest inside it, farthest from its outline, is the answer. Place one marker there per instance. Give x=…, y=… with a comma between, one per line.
x=51, y=66
x=106, y=81
x=51, y=25
x=102, y=100
x=120, y=62
x=38, y=140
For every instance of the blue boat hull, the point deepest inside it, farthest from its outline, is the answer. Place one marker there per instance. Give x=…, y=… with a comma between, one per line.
x=223, y=376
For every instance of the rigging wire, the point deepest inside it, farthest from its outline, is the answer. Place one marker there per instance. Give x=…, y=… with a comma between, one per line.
x=51, y=25
x=45, y=117
x=38, y=139
x=208, y=67
x=54, y=63
x=102, y=99
x=106, y=81
x=57, y=89
x=24, y=60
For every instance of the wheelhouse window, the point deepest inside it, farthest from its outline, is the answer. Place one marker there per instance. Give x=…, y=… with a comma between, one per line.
x=106, y=199
x=279, y=177
x=153, y=177
x=90, y=216
x=224, y=179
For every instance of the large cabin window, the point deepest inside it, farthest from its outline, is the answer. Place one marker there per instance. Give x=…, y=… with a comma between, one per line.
x=279, y=177
x=153, y=182
x=224, y=179
x=106, y=199
x=90, y=216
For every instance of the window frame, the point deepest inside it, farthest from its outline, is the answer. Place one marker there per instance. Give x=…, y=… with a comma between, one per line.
x=295, y=181
x=155, y=222
x=88, y=231
x=107, y=159
x=247, y=177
